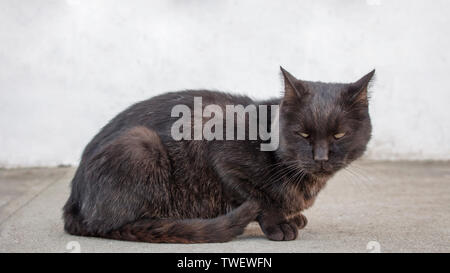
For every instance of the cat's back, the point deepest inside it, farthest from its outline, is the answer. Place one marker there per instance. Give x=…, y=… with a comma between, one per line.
x=156, y=114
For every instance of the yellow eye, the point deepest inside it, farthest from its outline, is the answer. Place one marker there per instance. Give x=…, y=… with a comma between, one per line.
x=338, y=136
x=305, y=135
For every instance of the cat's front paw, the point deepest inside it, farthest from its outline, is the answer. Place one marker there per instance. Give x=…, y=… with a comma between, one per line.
x=300, y=220
x=285, y=231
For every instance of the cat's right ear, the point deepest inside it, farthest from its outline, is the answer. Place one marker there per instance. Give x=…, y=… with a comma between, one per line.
x=293, y=88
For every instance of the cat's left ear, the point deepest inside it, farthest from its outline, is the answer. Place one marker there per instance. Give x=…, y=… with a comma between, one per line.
x=357, y=91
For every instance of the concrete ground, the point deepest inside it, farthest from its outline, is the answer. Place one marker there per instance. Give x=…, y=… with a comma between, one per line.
x=385, y=206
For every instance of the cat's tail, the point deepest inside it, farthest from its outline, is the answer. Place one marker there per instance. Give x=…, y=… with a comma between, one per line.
x=216, y=230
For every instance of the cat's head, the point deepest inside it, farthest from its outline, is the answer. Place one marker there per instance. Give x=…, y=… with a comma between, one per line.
x=323, y=126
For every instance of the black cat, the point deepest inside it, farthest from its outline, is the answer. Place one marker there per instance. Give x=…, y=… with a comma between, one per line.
x=135, y=182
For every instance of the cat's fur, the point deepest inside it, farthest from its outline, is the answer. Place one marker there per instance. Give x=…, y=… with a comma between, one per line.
x=136, y=183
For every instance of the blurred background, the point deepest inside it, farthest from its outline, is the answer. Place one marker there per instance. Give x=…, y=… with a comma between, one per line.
x=67, y=67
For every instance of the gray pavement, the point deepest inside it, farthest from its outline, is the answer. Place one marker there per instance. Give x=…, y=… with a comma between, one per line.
x=386, y=206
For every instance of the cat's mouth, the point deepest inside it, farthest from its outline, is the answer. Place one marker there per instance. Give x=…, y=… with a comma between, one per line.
x=322, y=174
x=323, y=170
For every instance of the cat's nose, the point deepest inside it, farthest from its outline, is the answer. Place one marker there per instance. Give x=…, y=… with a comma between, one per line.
x=321, y=152
x=323, y=157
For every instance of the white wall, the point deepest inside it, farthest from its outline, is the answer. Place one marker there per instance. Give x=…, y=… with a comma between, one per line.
x=67, y=67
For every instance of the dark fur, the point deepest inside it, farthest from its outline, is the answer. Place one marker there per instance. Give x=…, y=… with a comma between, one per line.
x=136, y=183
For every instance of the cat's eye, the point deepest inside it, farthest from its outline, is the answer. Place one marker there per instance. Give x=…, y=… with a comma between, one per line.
x=305, y=135
x=338, y=136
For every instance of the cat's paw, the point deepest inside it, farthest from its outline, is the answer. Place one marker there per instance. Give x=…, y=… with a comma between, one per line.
x=300, y=220
x=285, y=231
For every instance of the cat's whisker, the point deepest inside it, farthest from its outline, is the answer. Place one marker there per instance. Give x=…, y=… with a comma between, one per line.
x=357, y=179
x=286, y=174
x=283, y=176
x=360, y=173
x=294, y=180
x=280, y=166
x=350, y=177
x=277, y=174
x=363, y=170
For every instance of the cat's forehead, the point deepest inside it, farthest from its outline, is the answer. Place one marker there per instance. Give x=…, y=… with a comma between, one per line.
x=325, y=90
x=324, y=101
x=324, y=96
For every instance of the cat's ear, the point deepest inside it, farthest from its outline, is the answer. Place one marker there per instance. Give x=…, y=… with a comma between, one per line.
x=293, y=88
x=357, y=92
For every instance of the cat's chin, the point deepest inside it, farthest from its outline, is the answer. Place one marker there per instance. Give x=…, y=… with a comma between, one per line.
x=322, y=174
